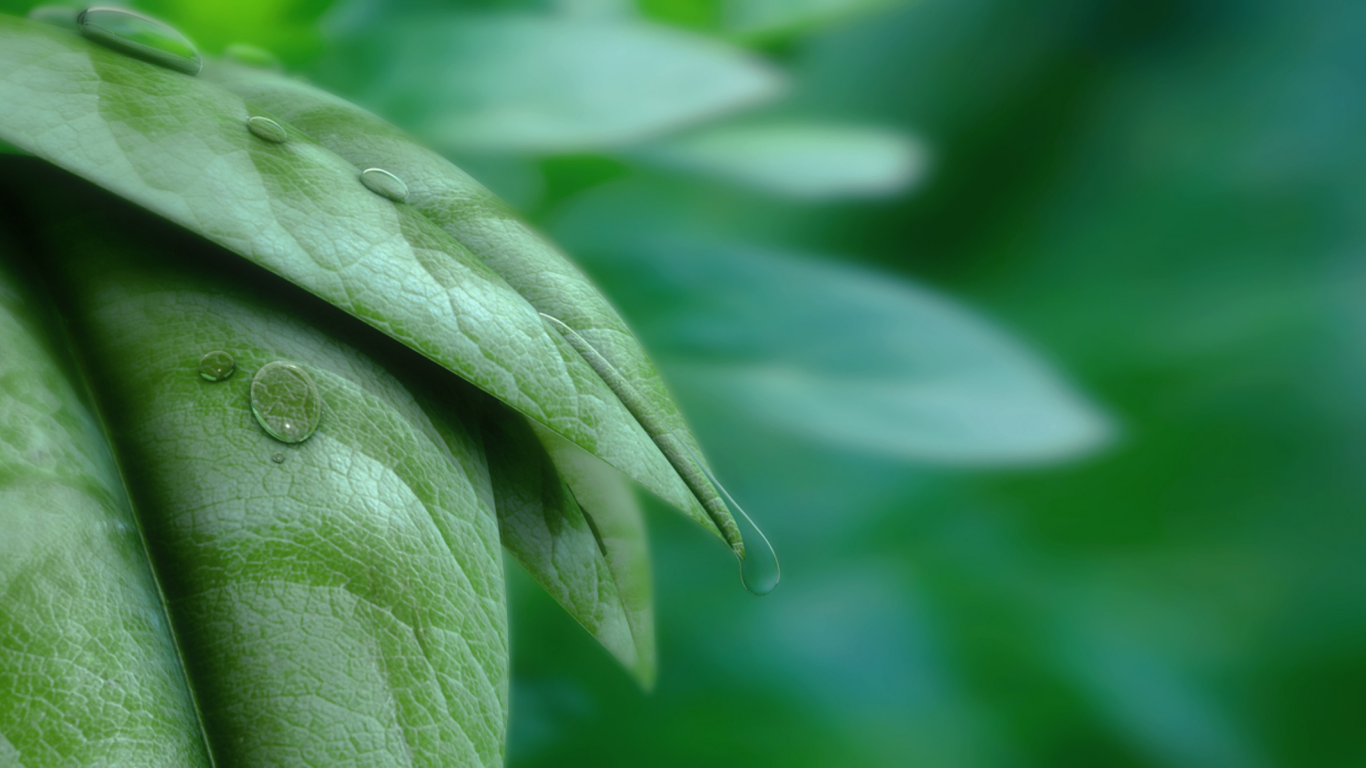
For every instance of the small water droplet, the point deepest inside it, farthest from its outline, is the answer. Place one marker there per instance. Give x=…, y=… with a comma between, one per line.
x=385, y=184
x=277, y=457
x=63, y=16
x=252, y=56
x=267, y=130
x=140, y=36
x=286, y=402
x=216, y=365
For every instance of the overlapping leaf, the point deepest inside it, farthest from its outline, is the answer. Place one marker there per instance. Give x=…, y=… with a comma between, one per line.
x=178, y=146
x=335, y=598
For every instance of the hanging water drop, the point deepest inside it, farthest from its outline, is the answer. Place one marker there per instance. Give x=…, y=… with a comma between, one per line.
x=267, y=130
x=217, y=365
x=140, y=36
x=286, y=402
x=760, y=571
x=385, y=184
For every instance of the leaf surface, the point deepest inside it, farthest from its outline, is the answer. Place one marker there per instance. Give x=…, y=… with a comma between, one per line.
x=336, y=599
x=178, y=146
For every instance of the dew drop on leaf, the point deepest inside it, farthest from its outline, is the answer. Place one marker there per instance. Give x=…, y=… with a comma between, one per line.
x=140, y=36
x=286, y=402
x=759, y=568
x=385, y=184
x=217, y=365
x=266, y=130
x=277, y=457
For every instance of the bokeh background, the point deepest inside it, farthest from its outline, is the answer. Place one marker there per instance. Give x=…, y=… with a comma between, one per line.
x=1033, y=334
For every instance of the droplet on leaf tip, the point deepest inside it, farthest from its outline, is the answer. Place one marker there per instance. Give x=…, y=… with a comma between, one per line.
x=384, y=184
x=140, y=36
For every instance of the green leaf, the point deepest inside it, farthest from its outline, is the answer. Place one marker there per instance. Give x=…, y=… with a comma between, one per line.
x=90, y=671
x=580, y=534
x=528, y=83
x=335, y=597
x=485, y=225
x=179, y=146
x=830, y=352
x=800, y=160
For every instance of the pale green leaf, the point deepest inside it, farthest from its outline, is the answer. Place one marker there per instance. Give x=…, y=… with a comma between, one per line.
x=541, y=84
x=801, y=160
x=831, y=352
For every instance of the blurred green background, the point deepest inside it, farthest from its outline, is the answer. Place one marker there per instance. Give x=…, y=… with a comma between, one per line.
x=1033, y=333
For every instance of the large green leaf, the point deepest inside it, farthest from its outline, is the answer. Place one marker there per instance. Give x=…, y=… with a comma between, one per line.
x=542, y=84
x=82, y=618
x=179, y=146
x=336, y=598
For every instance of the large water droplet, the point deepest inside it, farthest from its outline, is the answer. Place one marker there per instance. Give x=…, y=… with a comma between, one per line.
x=140, y=36
x=381, y=182
x=216, y=365
x=286, y=402
x=252, y=56
x=267, y=130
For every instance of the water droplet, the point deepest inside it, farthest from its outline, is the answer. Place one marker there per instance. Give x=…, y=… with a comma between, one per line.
x=277, y=457
x=216, y=365
x=252, y=56
x=286, y=402
x=386, y=184
x=63, y=16
x=140, y=36
x=759, y=568
x=267, y=130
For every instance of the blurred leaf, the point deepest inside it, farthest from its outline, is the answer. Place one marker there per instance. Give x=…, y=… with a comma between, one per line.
x=179, y=146
x=800, y=160
x=589, y=556
x=831, y=352
x=535, y=84
x=286, y=28
x=758, y=19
